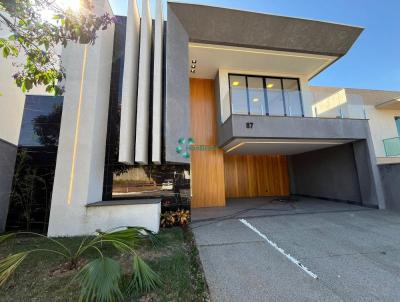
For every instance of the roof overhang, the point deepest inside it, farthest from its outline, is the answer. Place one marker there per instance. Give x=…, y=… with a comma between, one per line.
x=221, y=26
x=390, y=105
x=381, y=99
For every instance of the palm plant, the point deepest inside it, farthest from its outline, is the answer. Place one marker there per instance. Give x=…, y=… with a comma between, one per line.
x=101, y=279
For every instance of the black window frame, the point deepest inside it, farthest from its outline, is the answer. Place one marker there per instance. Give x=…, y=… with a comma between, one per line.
x=397, y=121
x=264, y=77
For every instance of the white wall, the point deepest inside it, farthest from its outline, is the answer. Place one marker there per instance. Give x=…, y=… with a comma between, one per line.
x=382, y=126
x=80, y=161
x=109, y=217
x=12, y=100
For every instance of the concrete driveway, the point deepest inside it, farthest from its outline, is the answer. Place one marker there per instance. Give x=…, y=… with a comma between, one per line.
x=353, y=251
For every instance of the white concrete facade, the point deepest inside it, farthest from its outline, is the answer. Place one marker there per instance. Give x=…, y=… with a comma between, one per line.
x=79, y=172
x=80, y=162
x=157, y=84
x=365, y=104
x=129, y=86
x=383, y=126
x=12, y=102
x=12, y=99
x=142, y=117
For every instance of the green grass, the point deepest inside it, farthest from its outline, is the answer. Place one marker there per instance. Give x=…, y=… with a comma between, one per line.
x=176, y=261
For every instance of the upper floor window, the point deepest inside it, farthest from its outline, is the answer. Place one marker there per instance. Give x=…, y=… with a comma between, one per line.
x=397, y=120
x=257, y=95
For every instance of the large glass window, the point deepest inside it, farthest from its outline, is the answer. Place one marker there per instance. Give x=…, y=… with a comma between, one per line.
x=276, y=102
x=256, y=95
x=397, y=120
x=292, y=97
x=239, y=98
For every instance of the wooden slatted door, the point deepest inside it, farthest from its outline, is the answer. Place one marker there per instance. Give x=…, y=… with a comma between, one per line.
x=207, y=165
x=256, y=175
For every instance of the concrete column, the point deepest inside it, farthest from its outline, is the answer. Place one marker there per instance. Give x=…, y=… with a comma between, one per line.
x=368, y=174
x=142, y=118
x=129, y=86
x=79, y=172
x=177, y=111
x=157, y=84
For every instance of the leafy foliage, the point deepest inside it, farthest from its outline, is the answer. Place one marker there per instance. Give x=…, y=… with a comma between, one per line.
x=9, y=264
x=175, y=218
x=143, y=278
x=100, y=279
x=38, y=39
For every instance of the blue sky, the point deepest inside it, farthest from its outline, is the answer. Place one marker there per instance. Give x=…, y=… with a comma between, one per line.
x=374, y=60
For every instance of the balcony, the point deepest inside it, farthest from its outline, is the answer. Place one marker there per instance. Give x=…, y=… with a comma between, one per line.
x=258, y=96
x=392, y=146
x=276, y=117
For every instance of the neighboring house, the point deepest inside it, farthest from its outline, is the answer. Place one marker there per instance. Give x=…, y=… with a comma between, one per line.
x=211, y=104
x=381, y=108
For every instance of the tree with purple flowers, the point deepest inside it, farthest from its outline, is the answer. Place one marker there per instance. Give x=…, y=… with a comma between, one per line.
x=37, y=38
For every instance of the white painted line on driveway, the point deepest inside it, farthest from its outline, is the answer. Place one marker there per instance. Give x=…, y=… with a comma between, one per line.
x=280, y=250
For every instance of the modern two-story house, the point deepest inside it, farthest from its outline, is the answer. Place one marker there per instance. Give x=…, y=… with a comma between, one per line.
x=203, y=104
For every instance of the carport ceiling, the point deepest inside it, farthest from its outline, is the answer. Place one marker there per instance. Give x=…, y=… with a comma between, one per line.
x=278, y=146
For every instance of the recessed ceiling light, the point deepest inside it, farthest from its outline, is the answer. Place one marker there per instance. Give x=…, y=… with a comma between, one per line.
x=193, y=66
x=192, y=71
x=270, y=85
x=255, y=100
x=235, y=83
x=194, y=61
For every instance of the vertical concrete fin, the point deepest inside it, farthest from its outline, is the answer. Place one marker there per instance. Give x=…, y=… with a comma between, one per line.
x=177, y=109
x=142, y=118
x=157, y=84
x=129, y=86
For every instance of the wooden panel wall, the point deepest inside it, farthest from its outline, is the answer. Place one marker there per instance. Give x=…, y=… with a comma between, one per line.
x=256, y=175
x=207, y=167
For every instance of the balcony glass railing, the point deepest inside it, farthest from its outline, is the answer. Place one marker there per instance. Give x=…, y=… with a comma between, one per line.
x=295, y=103
x=392, y=146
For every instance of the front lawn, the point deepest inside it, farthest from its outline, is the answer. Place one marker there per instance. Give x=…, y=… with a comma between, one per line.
x=41, y=278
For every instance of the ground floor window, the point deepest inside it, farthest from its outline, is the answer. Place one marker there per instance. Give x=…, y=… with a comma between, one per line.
x=171, y=183
x=35, y=165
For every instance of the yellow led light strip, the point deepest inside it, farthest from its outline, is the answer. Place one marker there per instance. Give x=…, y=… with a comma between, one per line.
x=78, y=119
x=284, y=142
x=260, y=52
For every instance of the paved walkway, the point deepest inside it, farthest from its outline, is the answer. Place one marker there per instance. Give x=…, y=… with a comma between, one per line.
x=354, y=251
